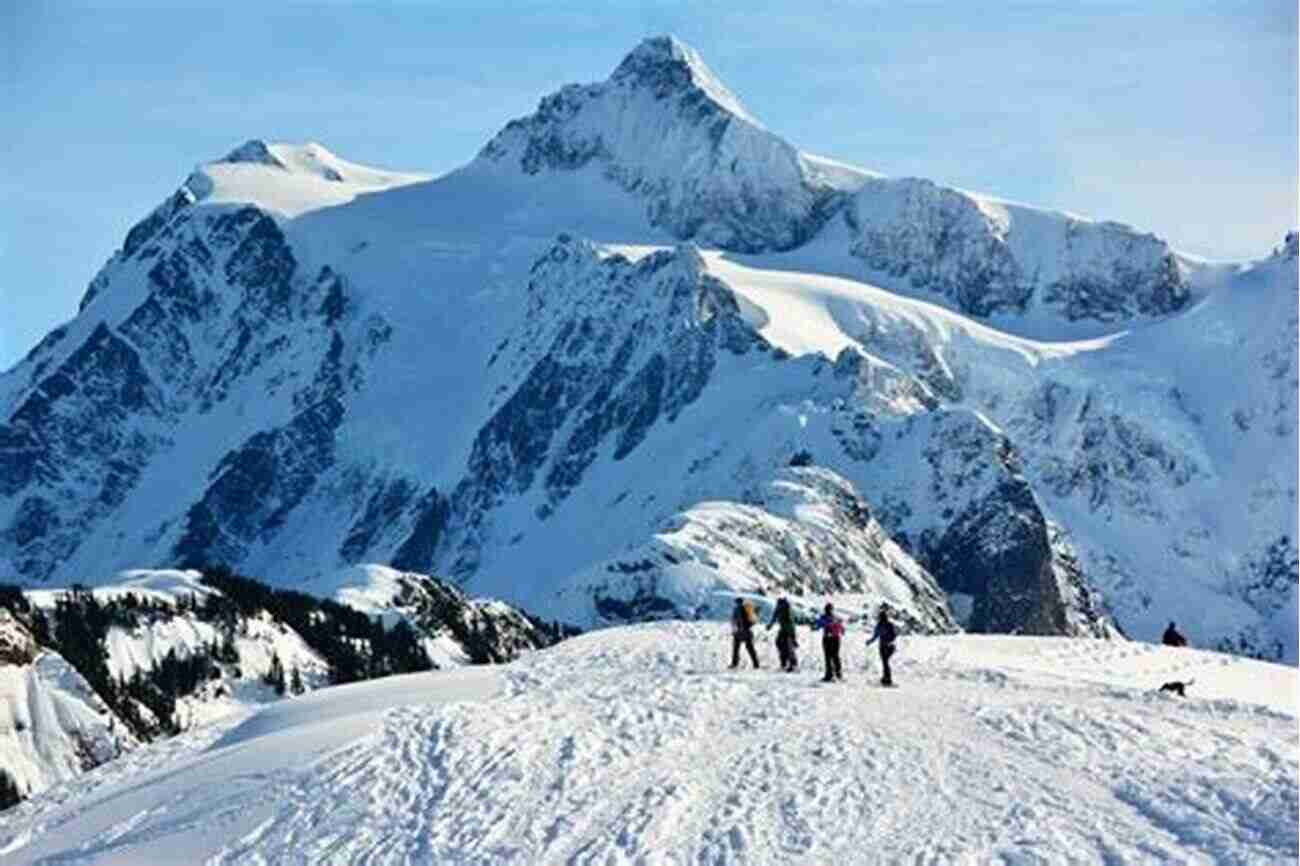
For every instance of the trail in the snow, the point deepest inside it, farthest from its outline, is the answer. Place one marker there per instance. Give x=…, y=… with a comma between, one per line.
x=634, y=747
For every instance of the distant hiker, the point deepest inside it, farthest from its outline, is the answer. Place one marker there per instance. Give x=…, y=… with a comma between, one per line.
x=1172, y=637
x=742, y=631
x=887, y=634
x=832, y=629
x=787, y=639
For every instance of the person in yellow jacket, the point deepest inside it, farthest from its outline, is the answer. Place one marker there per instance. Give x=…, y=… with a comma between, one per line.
x=743, y=620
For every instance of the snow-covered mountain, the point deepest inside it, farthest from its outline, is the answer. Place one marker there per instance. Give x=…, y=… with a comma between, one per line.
x=154, y=653
x=641, y=354
x=635, y=745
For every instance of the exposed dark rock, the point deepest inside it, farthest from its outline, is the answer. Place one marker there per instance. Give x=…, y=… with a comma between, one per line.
x=942, y=240
x=432, y=514
x=997, y=551
x=603, y=379
x=384, y=508
x=255, y=488
x=145, y=230
x=264, y=264
x=644, y=606
x=253, y=151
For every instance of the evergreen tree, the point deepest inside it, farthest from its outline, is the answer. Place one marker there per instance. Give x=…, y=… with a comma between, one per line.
x=9, y=793
x=275, y=675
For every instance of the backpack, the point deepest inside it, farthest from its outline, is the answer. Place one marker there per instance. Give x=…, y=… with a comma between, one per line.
x=887, y=633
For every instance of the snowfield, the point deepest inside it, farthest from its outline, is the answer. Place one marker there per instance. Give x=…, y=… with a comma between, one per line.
x=637, y=745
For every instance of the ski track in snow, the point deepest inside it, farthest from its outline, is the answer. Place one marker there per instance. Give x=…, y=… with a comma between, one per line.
x=636, y=746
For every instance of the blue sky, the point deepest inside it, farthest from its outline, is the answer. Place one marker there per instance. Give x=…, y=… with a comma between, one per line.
x=1176, y=117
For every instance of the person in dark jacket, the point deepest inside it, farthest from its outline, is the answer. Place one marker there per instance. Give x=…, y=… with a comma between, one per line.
x=742, y=631
x=832, y=629
x=787, y=639
x=887, y=634
x=1172, y=637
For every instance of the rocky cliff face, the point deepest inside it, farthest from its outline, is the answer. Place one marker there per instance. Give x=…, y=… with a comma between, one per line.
x=991, y=257
x=609, y=349
x=205, y=301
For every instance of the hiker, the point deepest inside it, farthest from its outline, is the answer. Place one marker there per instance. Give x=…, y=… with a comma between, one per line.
x=832, y=629
x=1172, y=637
x=742, y=631
x=886, y=633
x=786, y=638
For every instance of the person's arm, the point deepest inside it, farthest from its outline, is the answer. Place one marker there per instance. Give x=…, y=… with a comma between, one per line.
x=819, y=622
x=874, y=635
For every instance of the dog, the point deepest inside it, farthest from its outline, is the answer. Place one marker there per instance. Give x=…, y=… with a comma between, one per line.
x=1177, y=687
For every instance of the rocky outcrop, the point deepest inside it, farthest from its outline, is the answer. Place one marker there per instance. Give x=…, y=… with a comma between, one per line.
x=609, y=349
x=255, y=487
x=970, y=517
x=809, y=534
x=220, y=301
x=486, y=630
x=990, y=257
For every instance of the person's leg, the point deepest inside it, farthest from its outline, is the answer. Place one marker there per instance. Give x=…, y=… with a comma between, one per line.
x=794, y=653
x=886, y=677
x=783, y=651
x=735, y=650
x=839, y=667
x=749, y=645
x=827, y=660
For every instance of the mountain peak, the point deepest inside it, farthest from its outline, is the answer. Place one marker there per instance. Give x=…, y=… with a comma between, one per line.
x=665, y=129
x=667, y=65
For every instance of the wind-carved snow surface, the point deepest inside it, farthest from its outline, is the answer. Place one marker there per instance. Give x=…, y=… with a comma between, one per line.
x=514, y=375
x=636, y=745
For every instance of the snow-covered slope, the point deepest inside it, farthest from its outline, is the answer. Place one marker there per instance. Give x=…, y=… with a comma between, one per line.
x=516, y=375
x=54, y=724
x=635, y=745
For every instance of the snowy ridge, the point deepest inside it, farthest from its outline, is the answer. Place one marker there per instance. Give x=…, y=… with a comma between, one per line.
x=811, y=534
x=289, y=180
x=606, y=748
